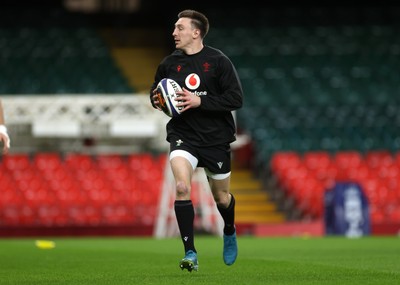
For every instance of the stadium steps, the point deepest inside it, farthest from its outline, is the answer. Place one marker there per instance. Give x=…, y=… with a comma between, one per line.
x=138, y=64
x=253, y=205
x=137, y=52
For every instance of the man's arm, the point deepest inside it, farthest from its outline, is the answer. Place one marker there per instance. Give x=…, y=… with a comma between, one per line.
x=3, y=131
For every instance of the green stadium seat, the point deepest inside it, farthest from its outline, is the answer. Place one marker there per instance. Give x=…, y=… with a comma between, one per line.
x=57, y=60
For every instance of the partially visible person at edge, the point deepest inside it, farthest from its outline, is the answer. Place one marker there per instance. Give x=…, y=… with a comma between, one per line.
x=4, y=138
x=201, y=135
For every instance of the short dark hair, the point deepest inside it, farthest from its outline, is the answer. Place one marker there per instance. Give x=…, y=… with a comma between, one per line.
x=199, y=20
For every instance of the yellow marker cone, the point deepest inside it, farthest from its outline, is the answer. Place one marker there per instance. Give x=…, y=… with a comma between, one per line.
x=45, y=244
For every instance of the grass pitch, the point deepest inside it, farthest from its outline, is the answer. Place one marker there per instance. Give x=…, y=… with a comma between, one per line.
x=117, y=261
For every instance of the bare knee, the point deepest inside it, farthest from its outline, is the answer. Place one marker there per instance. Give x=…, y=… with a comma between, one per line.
x=182, y=190
x=222, y=199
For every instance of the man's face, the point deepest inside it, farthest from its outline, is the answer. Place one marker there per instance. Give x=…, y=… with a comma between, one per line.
x=183, y=33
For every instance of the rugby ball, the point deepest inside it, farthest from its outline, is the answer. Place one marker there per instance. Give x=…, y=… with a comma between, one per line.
x=166, y=92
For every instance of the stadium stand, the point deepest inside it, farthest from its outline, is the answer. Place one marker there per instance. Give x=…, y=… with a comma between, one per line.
x=306, y=177
x=321, y=105
x=328, y=87
x=50, y=56
x=79, y=190
x=304, y=99
x=54, y=60
x=321, y=100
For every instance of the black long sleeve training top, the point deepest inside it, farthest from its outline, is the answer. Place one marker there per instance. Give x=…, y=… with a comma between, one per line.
x=211, y=75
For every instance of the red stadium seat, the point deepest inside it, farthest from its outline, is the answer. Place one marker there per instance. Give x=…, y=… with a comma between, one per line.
x=16, y=161
x=79, y=189
x=11, y=214
x=140, y=161
x=378, y=158
x=317, y=159
x=396, y=158
x=377, y=215
x=79, y=161
x=387, y=171
x=357, y=174
x=378, y=173
x=284, y=160
x=394, y=215
x=393, y=183
x=118, y=214
x=44, y=161
x=109, y=161
x=347, y=159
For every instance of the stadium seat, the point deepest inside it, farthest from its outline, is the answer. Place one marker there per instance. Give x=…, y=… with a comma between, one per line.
x=347, y=159
x=394, y=215
x=79, y=161
x=376, y=158
x=76, y=189
x=47, y=161
x=72, y=60
x=109, y=161
x=377, y=215
x=284, y=160
x=16, y=161
x=330, y=74
x=312, y=173
x=316, y=159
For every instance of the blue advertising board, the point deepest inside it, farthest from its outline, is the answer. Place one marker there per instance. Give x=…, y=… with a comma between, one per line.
x=347, y=210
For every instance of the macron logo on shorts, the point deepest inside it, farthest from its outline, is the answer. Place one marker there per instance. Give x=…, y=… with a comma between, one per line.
x=179, y=142
x=220, y=164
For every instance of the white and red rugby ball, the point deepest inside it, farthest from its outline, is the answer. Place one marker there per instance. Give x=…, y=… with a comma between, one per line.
x=166, y=92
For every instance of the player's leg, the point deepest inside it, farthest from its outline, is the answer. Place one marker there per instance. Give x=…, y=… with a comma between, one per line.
x=225, y=202
x=183, y=165
x=217, y=161
x=226, y=206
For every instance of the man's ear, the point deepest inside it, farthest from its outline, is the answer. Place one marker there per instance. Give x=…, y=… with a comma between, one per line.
x=196, y=33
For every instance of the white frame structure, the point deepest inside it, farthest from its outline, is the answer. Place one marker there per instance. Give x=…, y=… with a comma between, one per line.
x=74, y=116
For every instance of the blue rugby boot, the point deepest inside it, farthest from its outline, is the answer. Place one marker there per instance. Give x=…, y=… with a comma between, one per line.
x=189, y=262
x=230, y=249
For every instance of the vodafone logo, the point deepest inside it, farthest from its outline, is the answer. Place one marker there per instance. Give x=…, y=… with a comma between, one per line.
x=192, y=81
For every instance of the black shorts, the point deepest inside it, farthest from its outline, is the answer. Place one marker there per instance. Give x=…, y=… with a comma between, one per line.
x=216, y=160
